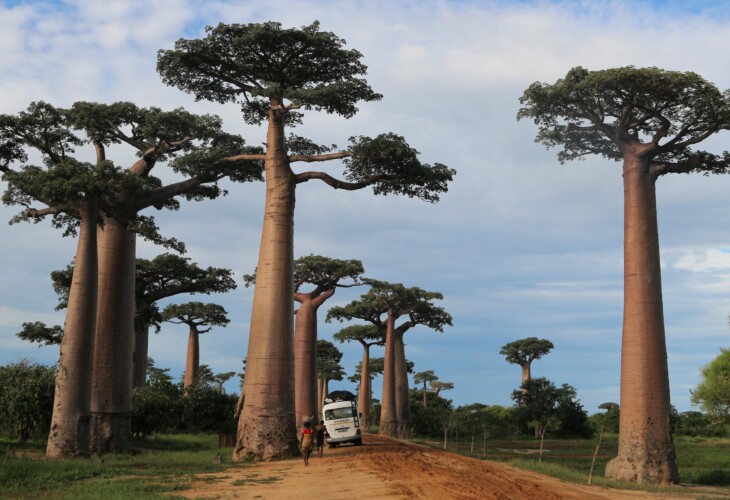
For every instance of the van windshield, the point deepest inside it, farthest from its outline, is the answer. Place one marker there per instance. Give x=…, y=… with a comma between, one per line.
x=338, y=413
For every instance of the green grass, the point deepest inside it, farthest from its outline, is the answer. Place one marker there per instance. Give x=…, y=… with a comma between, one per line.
x=702, y=461
x=159, y=467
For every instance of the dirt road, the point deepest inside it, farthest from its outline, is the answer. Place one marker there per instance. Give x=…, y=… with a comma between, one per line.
x=388, y=469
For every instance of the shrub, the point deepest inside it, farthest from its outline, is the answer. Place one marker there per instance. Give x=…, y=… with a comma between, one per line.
x=26, y=399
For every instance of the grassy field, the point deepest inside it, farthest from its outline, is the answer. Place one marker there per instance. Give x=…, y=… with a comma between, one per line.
x=162, y=465
x=702, y=461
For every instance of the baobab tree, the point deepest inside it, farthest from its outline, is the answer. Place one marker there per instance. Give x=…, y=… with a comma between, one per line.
x=326, y=275
x=72, y=193
x=437, y=386
x=273, y=73
x=367, y=336
x=328, y=368
x=168, y=275
x=78, y=195
x=524, y=352
x=382, y=306
x=428, y=376
x=200, y=318
x=650, y=120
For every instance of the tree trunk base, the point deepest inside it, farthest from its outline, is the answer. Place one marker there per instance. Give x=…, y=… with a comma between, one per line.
x=655, y=468
x=404, y=431
x=266, y=438
x=110, y=433
x=388, y=429
x=69, y=445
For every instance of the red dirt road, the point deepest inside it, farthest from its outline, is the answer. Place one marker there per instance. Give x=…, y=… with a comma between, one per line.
x=389, y=469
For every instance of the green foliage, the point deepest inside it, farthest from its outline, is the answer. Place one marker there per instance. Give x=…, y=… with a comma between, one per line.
x=203, y=408
x=196, y=315
x=365, y=334
x=540, y=402
x=399, y=300
x=38, y=332
x=428, y=421
x=258, y=65
x=694, y=423
x=525, y=351
x=26, y=399
x=391, y=166
x=600, y=112
x=328, y=361
x=155, y=409
x=712, y=394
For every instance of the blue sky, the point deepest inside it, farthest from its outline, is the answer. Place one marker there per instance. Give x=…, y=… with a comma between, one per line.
x=520, y=246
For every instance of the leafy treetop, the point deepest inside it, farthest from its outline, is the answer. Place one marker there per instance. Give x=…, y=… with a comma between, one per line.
x=648, y=112
x=525, y=351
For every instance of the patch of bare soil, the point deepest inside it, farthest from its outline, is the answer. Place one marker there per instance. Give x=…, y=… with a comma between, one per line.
x=389, y=469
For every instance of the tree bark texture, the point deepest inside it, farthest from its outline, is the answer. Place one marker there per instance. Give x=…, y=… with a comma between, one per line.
x=69, y=434
x=111, y=393
x=402, y=401
x=363, y=398
x=646, y=450
x=192, y=361
x=267, y=425
x=388, y=412
x=141, y=351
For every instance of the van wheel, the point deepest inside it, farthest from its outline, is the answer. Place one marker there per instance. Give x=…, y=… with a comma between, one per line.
x=358, y=442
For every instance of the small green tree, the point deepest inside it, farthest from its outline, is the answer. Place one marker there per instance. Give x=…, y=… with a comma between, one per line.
x=26, y=399
x=537, y=405
x=712, y=394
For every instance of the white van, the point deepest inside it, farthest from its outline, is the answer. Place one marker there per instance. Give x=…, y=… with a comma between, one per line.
x=342, y=422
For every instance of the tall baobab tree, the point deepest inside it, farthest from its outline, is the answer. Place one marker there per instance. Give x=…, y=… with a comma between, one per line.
x=650, y=120
x=428, y=376
x=200, y=318
x=367, y=336
x=523, y=352
x=326, y=275
x=382, y=306
x=273, y=73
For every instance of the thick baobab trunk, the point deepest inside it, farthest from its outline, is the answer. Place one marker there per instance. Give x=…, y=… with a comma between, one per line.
x=192, y=361
x=363, y=398
x=646, y=450
x=69, y=435
x=402, y=401
x=267, y=425
x=141, y=349
x=388, y=416
x=305, y=357
x=111, y=393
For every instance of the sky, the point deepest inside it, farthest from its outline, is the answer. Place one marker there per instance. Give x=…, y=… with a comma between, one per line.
x=520, y=246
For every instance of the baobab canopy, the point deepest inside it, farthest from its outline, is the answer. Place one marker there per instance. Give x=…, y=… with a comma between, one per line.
x=598, y=112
